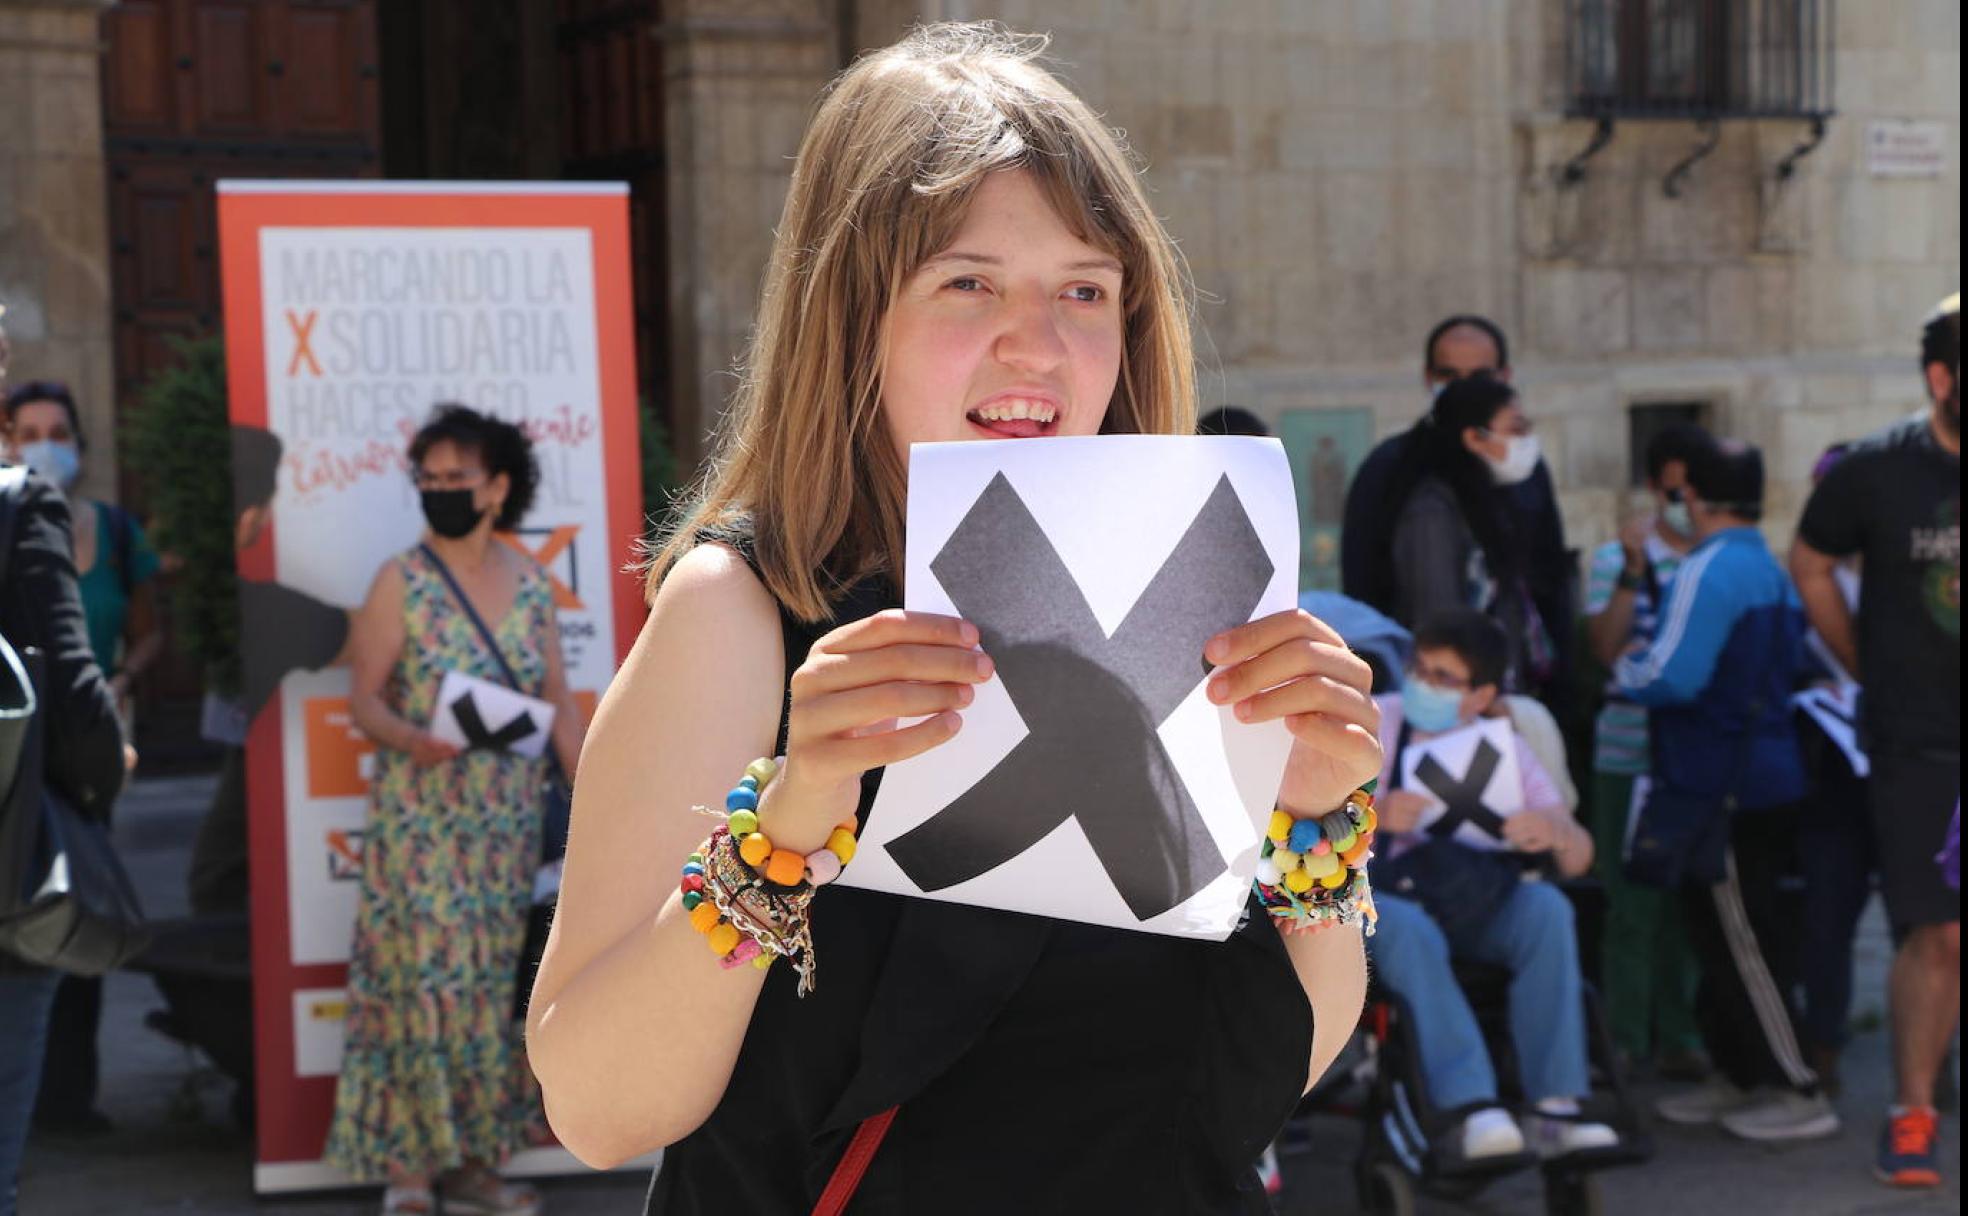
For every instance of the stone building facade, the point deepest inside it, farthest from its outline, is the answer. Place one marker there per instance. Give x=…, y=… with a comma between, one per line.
x=1342, y=173
x=1339, y=173
x=54, y=236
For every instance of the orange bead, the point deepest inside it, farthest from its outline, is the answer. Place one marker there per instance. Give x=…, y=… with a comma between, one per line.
x=785, y=867
x=704, y=917
x=755, y=849
x=724, y=939
x=1355, y=855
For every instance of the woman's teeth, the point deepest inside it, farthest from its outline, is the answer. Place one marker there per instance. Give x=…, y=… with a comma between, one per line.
x=1013, y=408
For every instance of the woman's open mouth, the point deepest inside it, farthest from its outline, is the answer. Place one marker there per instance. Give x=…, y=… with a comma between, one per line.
x=1015, y=418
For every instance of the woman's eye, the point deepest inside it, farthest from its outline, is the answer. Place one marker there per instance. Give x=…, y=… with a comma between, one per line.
x=1087, y=293
x=965, y=284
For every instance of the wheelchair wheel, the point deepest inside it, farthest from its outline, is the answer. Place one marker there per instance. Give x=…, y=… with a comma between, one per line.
x=1390, y=1192
x=1572, y=1195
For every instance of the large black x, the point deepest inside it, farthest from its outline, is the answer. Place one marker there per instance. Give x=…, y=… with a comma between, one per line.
x=1463, y=795
x=1091, y=704
x=478, y=735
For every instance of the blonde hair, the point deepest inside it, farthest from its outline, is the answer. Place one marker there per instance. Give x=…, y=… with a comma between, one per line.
x=883, y=181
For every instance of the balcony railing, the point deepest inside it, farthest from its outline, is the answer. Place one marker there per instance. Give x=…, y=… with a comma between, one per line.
x=1700, y=59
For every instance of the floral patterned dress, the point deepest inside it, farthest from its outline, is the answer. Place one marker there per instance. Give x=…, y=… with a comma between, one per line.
x=433, y=1067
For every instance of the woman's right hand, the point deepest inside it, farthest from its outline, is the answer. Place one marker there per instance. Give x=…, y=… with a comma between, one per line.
x=427, y=750
x=846, y=699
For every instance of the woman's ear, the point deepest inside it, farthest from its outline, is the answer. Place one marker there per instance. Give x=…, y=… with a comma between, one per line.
x=497, y=487
x=1479, y=701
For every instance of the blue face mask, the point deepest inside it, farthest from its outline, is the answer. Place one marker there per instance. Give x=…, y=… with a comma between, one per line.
x=57, y=461
x=1428, y=708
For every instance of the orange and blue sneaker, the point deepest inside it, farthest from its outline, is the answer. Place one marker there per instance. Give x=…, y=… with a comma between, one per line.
x=1907, y=1151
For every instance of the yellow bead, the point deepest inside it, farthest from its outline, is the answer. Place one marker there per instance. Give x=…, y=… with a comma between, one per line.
x=842, y=844
x=724, y=939
x=1321, y=865
x=763, y=961
x=704, y=917
x=1336, y=879
x=755, y=849
x=1286, y=860
x=762, y=770
x=1281, y=825
x=1298, y=882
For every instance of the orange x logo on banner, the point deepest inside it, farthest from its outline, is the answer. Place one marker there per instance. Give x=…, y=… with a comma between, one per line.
x=550, y=549
x=303, y=328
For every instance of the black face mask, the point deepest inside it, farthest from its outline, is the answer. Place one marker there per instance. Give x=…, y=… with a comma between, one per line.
x=451, y=513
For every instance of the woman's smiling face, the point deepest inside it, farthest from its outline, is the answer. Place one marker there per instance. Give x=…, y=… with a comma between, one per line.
x=1012, y=332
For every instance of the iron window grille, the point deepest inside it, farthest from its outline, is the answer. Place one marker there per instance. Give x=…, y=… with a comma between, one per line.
x=1700, y=59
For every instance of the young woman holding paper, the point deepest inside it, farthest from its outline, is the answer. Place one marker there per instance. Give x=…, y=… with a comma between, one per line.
x=434, y=1084
x=965, y=254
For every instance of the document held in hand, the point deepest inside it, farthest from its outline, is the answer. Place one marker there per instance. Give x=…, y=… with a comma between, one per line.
x=479, y=714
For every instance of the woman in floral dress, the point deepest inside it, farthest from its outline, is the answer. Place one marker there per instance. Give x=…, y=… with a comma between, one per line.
x=434, y=1084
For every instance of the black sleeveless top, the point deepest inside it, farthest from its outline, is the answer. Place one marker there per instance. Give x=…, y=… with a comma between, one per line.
x=1041, y=1066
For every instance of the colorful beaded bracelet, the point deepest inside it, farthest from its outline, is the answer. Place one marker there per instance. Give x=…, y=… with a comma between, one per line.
x=1312, y=873
x=749, y=899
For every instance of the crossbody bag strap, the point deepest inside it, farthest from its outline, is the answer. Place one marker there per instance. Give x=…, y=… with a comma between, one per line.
x=485, y=635
x=854, y=1163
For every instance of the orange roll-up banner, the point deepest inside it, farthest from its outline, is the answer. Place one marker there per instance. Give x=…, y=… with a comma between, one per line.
x=351, y=309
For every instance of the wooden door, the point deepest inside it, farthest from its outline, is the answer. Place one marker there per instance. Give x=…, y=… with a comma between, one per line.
x=194, y=91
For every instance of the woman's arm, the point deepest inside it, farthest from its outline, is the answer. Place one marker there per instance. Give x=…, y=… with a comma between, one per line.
x=633, y=1027
x=143, y=639
x=376, y=642
x=570, y=726
x=1332, y=968
x=1431, y=558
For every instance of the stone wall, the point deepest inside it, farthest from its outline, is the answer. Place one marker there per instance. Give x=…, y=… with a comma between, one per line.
x=1341, y=174
x=742, y=79
x=54, y=238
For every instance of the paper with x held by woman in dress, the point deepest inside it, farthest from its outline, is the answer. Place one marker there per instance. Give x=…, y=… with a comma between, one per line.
x=1093, y=780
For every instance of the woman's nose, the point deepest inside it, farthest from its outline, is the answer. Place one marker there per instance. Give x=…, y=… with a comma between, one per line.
x=1032, y=340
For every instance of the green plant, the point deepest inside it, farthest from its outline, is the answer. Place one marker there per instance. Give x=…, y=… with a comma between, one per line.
x=661, y=476
x=179, y=443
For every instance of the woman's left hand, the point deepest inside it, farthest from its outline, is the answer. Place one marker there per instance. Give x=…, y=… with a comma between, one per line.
x=1292, y=667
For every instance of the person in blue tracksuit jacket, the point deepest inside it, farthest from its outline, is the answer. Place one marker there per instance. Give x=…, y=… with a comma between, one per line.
x=1716, y=680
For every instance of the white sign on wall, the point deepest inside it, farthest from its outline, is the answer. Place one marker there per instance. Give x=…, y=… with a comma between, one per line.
x=1898, y=148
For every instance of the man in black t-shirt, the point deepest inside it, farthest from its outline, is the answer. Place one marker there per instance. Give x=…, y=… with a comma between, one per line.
x=1895, y=502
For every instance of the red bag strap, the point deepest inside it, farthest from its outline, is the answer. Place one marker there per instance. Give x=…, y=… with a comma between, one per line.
x=854, y=1164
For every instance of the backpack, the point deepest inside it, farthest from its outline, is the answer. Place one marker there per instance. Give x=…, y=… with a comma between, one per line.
x=66, y=901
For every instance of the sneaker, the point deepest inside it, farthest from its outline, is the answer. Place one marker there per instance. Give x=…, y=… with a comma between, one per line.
x=1557, y=1135
x=1491, y=1132
x=480, y=1192
x=1784, y=1115
x=1703, y=1104
x=1267, y=1171
x=1907, y=1152
x=1685, y=1064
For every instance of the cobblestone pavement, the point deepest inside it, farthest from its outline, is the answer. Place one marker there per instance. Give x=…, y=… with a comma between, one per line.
x=175, y=1149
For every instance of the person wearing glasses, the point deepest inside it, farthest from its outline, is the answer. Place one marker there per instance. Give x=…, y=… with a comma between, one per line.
x=115, y=565
x=1455, y=542
x=1476, y=892
x=435, y=1087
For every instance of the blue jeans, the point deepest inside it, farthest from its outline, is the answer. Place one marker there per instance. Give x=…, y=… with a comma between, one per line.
x=25, y=999
x=1531, y=934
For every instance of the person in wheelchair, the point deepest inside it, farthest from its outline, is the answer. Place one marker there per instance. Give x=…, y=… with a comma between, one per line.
x=1457, y=880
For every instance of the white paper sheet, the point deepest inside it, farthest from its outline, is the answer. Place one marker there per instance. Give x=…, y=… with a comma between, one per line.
x=1454, y=755
x=1113, y=511
x=1836, y=711
x=514, y=722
